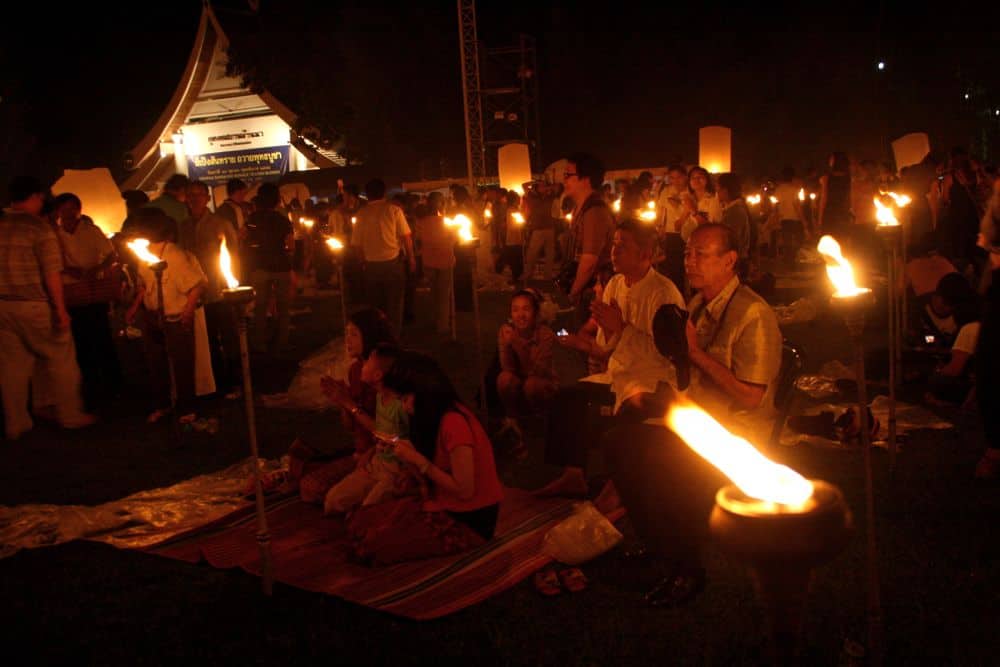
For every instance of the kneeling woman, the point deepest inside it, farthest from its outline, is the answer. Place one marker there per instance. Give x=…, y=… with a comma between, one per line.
x=450, y=448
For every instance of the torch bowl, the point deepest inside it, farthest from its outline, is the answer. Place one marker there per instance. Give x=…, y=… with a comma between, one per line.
x=241, y=295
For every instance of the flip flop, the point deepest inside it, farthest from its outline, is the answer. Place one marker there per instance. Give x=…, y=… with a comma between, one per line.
x=547, y=582
x=573, y=579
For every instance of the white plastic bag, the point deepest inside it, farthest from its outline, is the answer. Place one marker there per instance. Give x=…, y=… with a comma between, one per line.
x=584, y=535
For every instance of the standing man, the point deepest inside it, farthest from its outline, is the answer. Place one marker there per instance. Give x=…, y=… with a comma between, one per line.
x=269, y=244
x=383, y=235
x=211, y=230
x=671, y=202
x=537, y=204
x=234, y=208
x=593, y=221
x=171, y=202
x=34, y=323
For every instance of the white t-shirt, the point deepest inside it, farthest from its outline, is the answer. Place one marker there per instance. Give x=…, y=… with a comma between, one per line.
x=787, y=195
x=967, y=338
x=636, y=366
x=380, y=227
x=85, y=248
x=183, y=273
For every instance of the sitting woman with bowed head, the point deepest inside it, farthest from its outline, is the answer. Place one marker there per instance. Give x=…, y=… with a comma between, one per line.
x=451, y=450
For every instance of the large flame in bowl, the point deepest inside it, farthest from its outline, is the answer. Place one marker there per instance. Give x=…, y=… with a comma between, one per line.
x=335, y=244
x=754, y=474
x=141, y=249
x=464, y=225
x=226, y=266
x=884, y=215
x=838, y=268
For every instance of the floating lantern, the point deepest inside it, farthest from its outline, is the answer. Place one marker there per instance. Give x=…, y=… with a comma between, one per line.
x=102, y=200
x=514, y=166
x=715, y=149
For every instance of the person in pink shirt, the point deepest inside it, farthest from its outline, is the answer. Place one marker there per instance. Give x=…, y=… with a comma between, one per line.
x=451, y=450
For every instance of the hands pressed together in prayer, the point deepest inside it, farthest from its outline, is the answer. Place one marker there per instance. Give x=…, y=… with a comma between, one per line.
x=609, y=317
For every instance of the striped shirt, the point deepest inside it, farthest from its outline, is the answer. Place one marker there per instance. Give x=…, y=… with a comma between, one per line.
x=29, y=249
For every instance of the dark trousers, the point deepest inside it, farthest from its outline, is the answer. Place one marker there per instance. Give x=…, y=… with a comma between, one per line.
x=512, y=256
x=223, y=340
x=95, y=351
x=384, y=286
x=575, y=423
x=667, y=490
x=173, y=344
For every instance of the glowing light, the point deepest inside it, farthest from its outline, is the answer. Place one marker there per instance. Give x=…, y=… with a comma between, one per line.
x=226, y=266
x=884, y=214
x=901, y=200
x=651, y=205
x=838, y=269
x=812, y=196
x=754, y=200
x=141, y=249
x=966, y=96
x=881, y=65
x=354, y=219
x=463, y=225
x=647, y=215
x=307, y=222
x=755, y=474
x=335, y=243
x=569, y=217
x=802, y=194
x=487, y=213
x=518, y=218
x=617, y=206
x=773, y=199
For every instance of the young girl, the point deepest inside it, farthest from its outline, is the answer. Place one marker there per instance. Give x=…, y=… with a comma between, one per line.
x=450, y=448
x=527, y=380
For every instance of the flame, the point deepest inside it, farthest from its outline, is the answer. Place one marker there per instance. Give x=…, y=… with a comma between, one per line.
x=838, y=268
x=647, y=215
x=307, y=222
x=569, y=217
x=518, y=218
x=335, y=243
x=812, y=196
x=141, y=249
x=884, y=214
x=488, y=213
x=753, y=200
x=773, y=199
x=464, y=225
x=617, y=205
x=751, y=471
x=651, y=205
x=901, y=200
x=802, y=194
x=354, y=219
x=226, y=266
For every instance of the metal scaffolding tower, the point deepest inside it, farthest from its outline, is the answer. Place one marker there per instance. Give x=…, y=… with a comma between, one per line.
x=475, y=146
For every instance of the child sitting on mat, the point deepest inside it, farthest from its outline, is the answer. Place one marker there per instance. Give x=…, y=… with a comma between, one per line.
x=379, y=474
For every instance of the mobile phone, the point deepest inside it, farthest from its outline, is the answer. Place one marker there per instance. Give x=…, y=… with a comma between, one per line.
x=929, y=339
x=562, y=332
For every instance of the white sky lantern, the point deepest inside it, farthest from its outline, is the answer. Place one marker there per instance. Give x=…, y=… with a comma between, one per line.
x=226, y=266
x=911, y=149
x=514, y=166
x=715, y=149
x=754, y=474
x=838, y=268
x=101, y=198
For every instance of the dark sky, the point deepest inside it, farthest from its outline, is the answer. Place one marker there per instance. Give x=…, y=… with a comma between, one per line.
x=630, y=83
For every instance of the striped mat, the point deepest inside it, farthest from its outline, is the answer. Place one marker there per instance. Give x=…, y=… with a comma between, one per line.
x=309, y=551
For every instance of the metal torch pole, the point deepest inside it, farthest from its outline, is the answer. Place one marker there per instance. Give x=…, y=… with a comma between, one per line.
x=263, y=535
x=855, y=321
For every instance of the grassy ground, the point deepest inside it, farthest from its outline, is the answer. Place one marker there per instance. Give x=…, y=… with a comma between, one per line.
x=90, y=603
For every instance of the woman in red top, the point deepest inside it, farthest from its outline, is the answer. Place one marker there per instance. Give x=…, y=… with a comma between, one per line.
x=451, y=450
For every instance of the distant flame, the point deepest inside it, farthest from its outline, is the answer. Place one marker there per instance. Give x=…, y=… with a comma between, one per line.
x=487, y=213
x=226, y=266
x=884, y=214
x=307, y=222
x=354, y=220
x=569, y=217
x=617, y=205
x=774, y=200
x=518, y=218
x=753, y=200
x=802, y=194
x=647, y=215
x=755, y=475
x=464, y=225
x=838, y=268
x=651, y=205
x=141, y=249
x=335, y=243
x=812, y=196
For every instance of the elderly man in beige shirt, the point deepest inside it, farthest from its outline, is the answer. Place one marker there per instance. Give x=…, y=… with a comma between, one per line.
x=382, y=232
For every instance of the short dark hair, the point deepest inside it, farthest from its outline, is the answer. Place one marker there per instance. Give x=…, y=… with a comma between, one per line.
x=374, y=327
x=67, y=197
x=135, y=199
x=386, y=355
x=375, y=189
x=727, y=240
x=677, y=167
x=642, y=233
x=175, y=182
x=529, y=294
x=588, y=166
x=731, y=182
x=21, y=188
x=200, y=184
x=234, y=185
x=268, y=196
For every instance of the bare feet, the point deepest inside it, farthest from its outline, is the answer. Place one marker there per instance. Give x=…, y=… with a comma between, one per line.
x=571, y=484
x=607, y=500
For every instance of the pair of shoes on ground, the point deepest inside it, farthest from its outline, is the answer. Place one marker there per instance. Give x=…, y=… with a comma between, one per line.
x=678, y=588
x=551, y=582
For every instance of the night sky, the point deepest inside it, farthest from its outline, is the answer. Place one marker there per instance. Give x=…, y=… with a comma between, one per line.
x=631, y=84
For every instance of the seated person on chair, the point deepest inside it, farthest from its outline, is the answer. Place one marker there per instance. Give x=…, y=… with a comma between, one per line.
x=734, y=347
x=950, y=383
x=527, y=381
x=733, y=337
x=620, y=330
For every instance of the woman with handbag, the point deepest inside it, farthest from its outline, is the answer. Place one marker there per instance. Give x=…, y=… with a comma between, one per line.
x=91, y=281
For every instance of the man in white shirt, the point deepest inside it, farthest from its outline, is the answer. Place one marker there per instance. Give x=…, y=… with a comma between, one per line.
x=382, y=233
x=619, y=332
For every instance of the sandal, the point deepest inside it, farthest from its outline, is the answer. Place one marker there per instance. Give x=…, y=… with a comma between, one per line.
x=573, y=579
x=547, y=582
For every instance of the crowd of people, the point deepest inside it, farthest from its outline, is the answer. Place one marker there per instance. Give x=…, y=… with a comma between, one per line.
x=622, y=257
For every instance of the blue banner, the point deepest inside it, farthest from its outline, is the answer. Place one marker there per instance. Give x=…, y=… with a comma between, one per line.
x=250, y=165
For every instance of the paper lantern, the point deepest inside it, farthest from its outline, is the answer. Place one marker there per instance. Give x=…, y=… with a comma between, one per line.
x=911, y=149
x=290, y=191
x=100, y=196
x=514, y=165
x=715, y=149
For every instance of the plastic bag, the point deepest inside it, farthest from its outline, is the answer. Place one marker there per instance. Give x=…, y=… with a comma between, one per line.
x=584, y=535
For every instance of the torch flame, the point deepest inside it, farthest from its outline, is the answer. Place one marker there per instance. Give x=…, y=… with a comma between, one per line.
x=901, y=200
x=884, y=214
x=307, y=222
x=838, y=268
x=335, y=243
x=141, y=249
x=354, y=219
x=651, y=205
x=569, y=217
x=487, y=213
x=226, y=266
x=518, y=218
x=753, y=200
x=812, y=196
x=464, y=225
x=802, y=194
x=755, y=475
x=617, y=205
x=647, y=215
x=774, y=200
